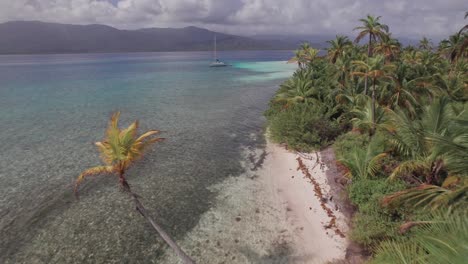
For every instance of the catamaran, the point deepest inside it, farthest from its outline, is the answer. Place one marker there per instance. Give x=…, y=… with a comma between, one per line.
x=217, y=62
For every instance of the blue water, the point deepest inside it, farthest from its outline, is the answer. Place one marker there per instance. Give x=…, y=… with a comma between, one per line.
x=52, y=107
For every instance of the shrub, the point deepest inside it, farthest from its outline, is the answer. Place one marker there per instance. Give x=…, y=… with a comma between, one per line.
x=363, y=191
x=302, y=126
x=373, y=223
x=345, y=143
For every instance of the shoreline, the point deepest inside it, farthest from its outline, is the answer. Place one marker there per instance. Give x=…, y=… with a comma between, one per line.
x=299, y=183
x=355, y=253
x=271, y=214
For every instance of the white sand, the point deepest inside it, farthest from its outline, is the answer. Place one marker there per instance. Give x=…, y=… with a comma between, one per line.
x=304, y=214
x=267, y=216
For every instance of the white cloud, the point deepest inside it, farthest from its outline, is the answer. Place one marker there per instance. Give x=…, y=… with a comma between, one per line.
x=436, y=18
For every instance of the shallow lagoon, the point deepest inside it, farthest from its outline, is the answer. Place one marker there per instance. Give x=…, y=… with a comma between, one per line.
x=52, y=107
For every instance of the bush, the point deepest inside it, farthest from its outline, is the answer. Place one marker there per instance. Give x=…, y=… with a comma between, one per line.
x=302, y=126
x=345, y=143
x=373, y=223
x=363, y=191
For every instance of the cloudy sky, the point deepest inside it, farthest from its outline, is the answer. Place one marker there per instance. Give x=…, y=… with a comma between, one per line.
x=432, y=18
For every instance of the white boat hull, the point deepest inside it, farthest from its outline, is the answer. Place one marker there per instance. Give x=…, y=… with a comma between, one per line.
x=218, y=64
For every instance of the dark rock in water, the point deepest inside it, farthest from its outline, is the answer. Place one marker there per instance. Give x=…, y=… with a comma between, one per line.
x=238, y=218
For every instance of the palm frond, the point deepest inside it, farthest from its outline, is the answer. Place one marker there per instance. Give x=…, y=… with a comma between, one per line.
x=93, y=172
x=431, y=196
x=442, y=239
x=121, y=148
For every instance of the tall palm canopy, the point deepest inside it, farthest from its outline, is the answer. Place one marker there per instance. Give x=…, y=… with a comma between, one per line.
x=373, y=28
x=304, y=55
x=375, y=69
x=338, y=47
x=376, y=31
x=120, y=149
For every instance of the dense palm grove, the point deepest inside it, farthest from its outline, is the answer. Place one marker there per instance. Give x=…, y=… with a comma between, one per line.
x=398, y=120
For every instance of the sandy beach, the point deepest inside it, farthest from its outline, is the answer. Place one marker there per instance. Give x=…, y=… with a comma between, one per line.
x=271, y=214
x=318, y=227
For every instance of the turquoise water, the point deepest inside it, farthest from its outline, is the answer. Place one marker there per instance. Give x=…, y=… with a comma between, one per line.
x=52, y=107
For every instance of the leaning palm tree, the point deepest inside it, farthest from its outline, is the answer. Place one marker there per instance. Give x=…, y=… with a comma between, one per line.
x=455, y=46
x=375, y=30
x=119, y=150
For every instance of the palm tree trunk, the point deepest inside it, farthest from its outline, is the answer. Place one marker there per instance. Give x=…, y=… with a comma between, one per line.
x=165, y=236
x=373, y=108
x=369, y=54
x=365, y=85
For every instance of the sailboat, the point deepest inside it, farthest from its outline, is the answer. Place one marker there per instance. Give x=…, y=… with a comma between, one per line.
x=217, y=62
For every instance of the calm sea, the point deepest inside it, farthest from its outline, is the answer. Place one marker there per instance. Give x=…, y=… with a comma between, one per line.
x=53, y=107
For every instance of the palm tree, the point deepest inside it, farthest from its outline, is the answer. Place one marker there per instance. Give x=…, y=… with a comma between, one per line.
x=454, y=85
x=296, y=90
x=338, y=47
x=455, y=46
x=425, y=44
x=304, y=55
x=375, y=30
x=388, y=47
x=363, y=117
x=432, y=196
x=119, y=150
x=464, y=28
x=434, y=145
x=441, y=239
x=364, y=163
x=374, y=69
x=298, y=58
x=405, y=92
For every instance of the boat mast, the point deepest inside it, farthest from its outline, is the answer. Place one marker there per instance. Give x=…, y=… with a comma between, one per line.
x=215, y=54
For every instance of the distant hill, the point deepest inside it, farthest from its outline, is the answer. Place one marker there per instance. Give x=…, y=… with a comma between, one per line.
x=33, y=37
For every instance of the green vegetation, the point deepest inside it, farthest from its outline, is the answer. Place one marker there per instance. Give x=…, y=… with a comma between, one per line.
x=398, y=120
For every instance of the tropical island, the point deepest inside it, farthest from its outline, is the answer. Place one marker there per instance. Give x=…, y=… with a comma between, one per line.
x=365, y=158
x=397, y=120
x=359, y=156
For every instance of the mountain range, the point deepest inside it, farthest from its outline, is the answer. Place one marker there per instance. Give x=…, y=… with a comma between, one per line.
x=34, y=37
